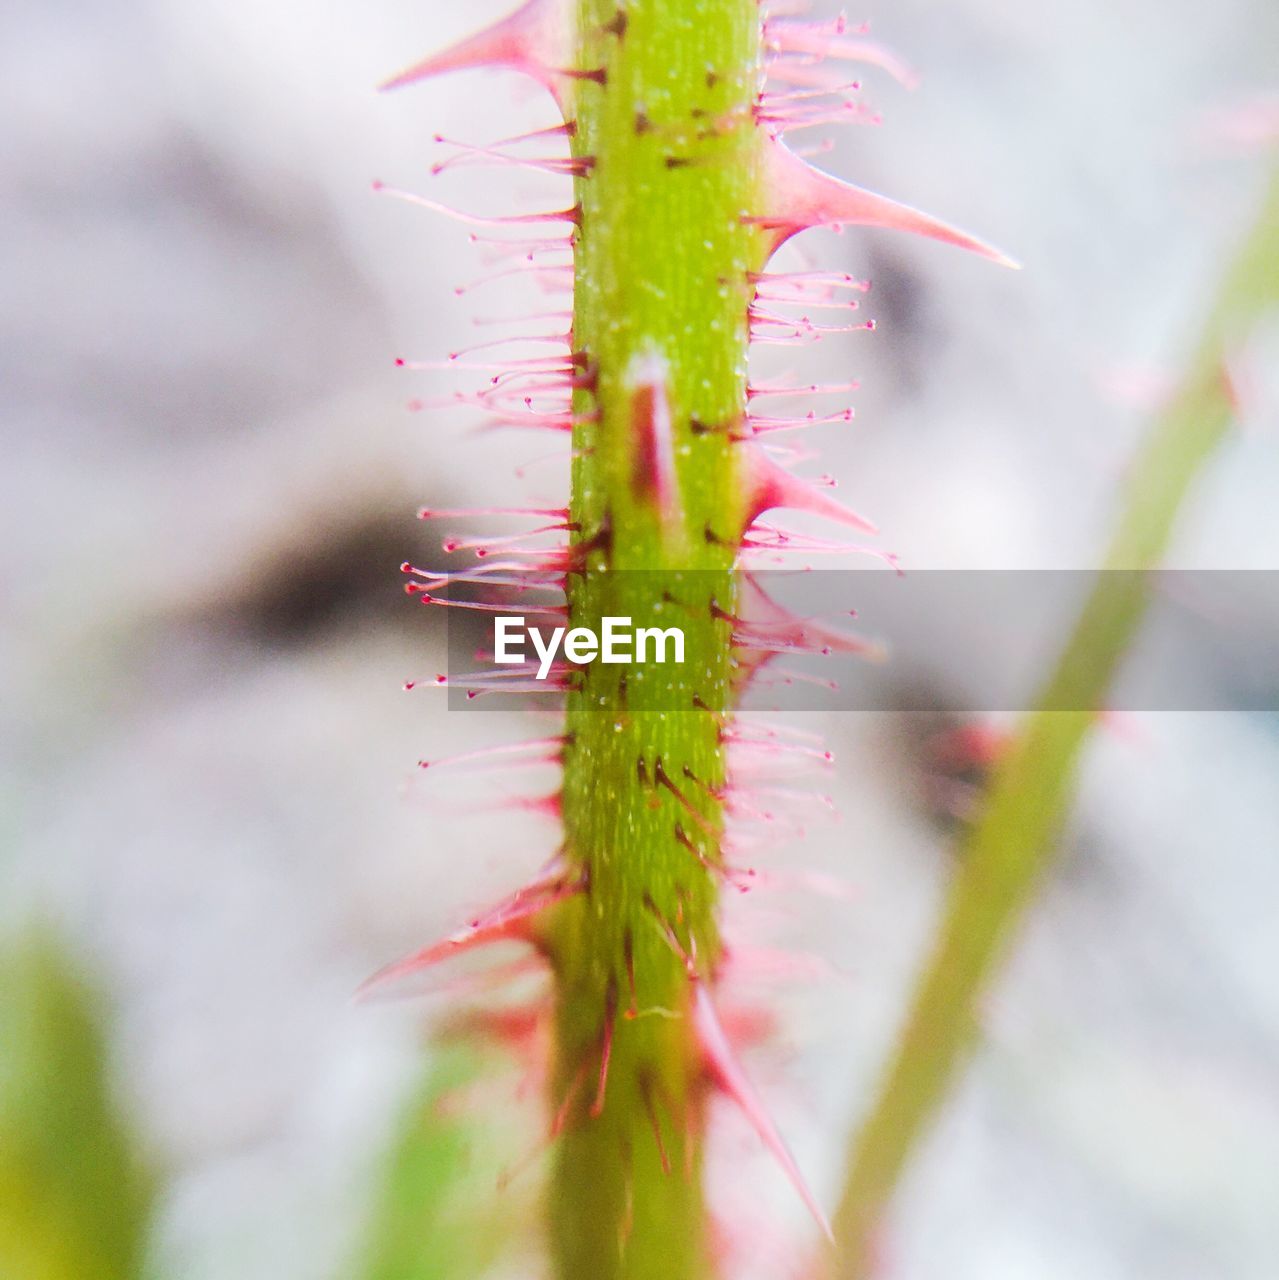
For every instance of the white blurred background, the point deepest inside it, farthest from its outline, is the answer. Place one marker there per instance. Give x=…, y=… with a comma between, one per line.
x=209, y=478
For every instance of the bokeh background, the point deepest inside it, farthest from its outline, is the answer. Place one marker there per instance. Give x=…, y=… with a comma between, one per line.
x=208, y=482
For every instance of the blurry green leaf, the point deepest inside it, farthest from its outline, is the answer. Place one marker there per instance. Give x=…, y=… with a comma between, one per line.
x=439, y=1214
x=74, y=1199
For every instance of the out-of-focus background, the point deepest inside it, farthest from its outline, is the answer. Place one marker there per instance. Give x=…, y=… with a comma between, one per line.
x=208, y=481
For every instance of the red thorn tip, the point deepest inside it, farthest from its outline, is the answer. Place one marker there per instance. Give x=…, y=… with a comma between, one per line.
x=532, y=40
x=802, y=197
x=730, y=1077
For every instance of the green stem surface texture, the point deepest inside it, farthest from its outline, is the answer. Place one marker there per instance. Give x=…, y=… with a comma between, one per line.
x=662, y=115
x=1004, y=853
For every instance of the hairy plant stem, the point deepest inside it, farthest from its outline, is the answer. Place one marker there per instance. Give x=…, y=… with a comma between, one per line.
x=662, y=122
x=1004, y=854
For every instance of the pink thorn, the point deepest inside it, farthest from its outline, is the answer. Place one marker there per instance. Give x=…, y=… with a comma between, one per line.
x=512, y=920
x=814, y=41
x=519, y=679
x=474, y=220
x=509, y=542
x=516, y=1028
x=774, y=732
x=730, y=1077
x=547, y=806
x=772, y=628
x=817, y=882
x=466, y=513
x=806, y=197
x=554, y=745
x=469, y=153
x=653, y=476
x=425, y=596
x=774, y=964
x=773, y=748
x=790, y=118
x=545, y=275
x=782, y=679
x=770, y=99
x=757, y=389
x=498, y=573
x=769, y=485
x=825, y=282
x=749, y=1024
x=760, y=425
x=532, y=40
x=771, y=544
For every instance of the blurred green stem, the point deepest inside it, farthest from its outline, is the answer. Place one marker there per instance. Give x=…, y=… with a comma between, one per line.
x=434, y=1216
x=1004, y=853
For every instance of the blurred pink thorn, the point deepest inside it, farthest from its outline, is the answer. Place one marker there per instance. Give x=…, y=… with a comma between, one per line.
x=532, y=40
x=804, y=197
x=817, y=41
x=518, y=1028
x=773, y=964
x=547, y=749
x=816, y=882
x=475, y=220
x=653, y=476
x=466, y=513
x=511, y=921
x=976, y=745
x=773, y=628
x=768, y=485
x=729, y=1076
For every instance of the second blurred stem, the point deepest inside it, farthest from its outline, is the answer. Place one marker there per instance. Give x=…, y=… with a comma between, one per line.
x=1003, y=854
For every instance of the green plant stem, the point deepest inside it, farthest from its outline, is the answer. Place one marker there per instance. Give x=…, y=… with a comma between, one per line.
x=660, y=324
x=1004, y=853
